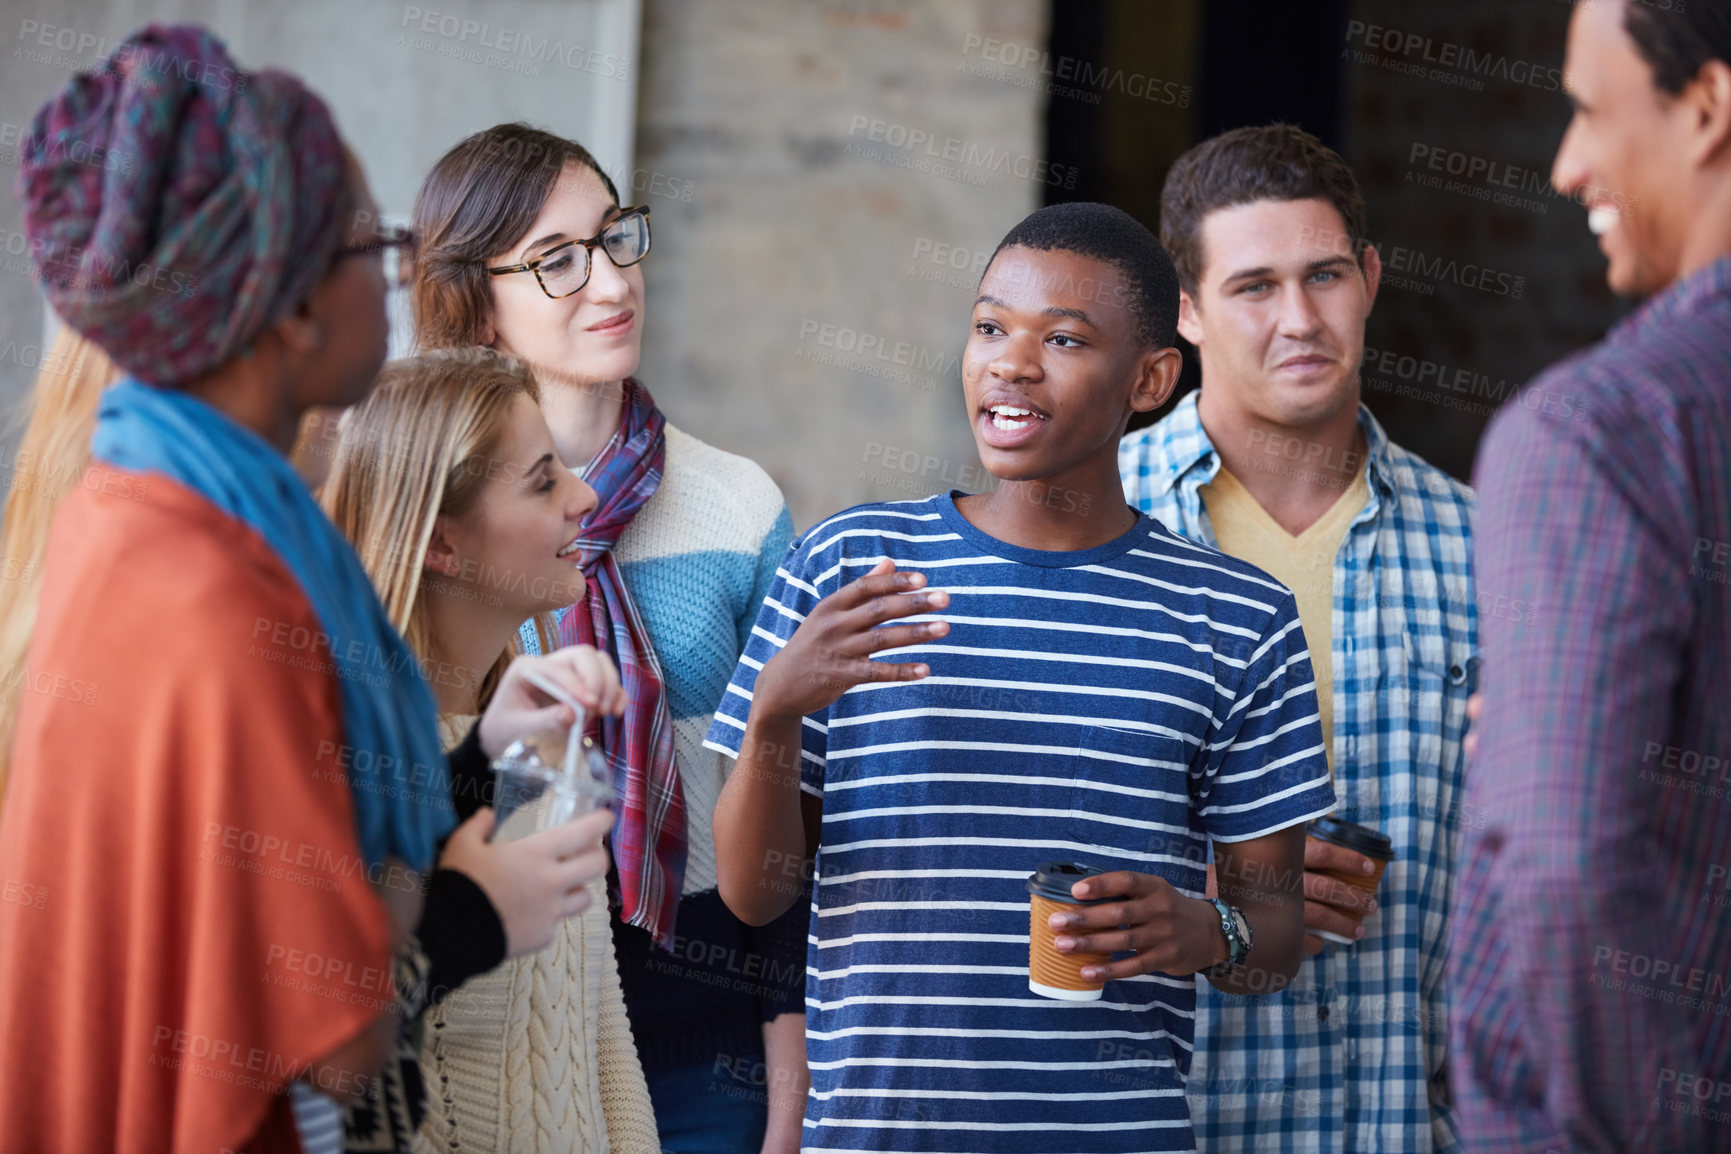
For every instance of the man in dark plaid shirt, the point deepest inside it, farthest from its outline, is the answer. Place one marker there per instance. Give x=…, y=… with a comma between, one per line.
x=1591, y=944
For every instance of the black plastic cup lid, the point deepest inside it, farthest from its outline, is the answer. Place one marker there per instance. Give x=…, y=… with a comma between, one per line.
x=1053, y=880
x=1358, y=838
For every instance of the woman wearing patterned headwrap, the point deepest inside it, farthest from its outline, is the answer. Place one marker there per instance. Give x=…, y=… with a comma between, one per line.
x=226, y=779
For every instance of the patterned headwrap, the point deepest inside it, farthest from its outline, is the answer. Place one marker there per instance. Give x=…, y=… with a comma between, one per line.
x=176, y=206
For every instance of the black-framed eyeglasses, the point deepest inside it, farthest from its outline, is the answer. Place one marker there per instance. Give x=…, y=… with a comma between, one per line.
x=396, y=245
x=564, y=268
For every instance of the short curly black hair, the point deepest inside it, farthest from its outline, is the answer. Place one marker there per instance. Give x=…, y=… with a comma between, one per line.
x=1114, y=236
x=1243, y=166
x=1676, y=42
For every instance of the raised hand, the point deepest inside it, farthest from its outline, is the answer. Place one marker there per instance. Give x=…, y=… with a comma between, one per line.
x=831, y=650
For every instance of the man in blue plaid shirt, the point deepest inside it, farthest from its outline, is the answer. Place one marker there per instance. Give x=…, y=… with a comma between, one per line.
x=1276, y=461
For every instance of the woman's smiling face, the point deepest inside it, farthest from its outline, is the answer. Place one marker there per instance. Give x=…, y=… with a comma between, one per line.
x=592, y=336
x=514, y=545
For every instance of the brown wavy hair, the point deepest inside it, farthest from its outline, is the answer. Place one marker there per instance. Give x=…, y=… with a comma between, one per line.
x=1245, y=165
x=480, y=198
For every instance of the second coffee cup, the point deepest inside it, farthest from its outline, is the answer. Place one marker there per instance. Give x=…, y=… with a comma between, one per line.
x=1360, y=839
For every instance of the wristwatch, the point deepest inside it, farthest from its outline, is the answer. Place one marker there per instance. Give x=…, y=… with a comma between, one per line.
x=1238, y=938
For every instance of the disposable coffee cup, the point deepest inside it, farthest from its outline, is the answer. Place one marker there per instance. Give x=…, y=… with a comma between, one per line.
x=1360, y=839
x=533, y=788
x=1052, y=974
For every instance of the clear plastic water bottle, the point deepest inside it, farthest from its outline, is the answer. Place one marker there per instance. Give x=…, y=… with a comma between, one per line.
x=533, y=790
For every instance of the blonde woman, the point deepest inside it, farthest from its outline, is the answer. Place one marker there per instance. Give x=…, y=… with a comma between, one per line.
x=58, y=417
x=447, y=483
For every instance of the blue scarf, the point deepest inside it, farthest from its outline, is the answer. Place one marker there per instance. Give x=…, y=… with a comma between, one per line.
x=390, y=720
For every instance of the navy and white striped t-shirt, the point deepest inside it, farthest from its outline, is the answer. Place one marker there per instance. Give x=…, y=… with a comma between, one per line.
x=1117, y=706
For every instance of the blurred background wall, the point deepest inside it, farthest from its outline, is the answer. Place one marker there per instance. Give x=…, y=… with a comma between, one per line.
x=828, y=177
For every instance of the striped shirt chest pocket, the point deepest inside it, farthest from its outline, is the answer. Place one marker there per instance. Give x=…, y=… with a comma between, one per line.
x=1129, y=804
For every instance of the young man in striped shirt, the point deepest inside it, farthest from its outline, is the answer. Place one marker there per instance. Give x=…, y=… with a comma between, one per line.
x=1069, y=680
x=1276, y=461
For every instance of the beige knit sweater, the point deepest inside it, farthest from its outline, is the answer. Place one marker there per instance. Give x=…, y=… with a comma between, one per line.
x=537, y=1055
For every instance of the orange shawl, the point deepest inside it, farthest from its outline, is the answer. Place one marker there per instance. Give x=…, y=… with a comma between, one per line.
x=187, y=922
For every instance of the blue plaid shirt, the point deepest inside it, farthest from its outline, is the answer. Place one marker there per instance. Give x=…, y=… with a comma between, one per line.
x=1351, y=1055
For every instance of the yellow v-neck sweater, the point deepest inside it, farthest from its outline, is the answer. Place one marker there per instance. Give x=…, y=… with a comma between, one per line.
x=1303, y=563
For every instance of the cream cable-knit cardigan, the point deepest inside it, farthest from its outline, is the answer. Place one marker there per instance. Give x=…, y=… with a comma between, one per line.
x=537, y=1055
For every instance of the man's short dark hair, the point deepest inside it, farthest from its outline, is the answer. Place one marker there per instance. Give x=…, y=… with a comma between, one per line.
x=1243, y=166
x=1114, y=236
x=1676, y=41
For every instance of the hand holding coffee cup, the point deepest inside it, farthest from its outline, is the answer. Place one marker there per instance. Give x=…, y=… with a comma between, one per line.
x=1071, y=942
x=1343, y=866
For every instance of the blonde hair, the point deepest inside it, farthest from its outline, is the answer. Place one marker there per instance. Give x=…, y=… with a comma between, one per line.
x=59, y=416
x=416, y=448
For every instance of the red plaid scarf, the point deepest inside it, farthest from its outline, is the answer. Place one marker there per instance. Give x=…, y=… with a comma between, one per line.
x=649, y=838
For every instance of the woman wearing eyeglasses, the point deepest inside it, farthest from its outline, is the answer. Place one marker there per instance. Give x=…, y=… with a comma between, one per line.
x=525, y=247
